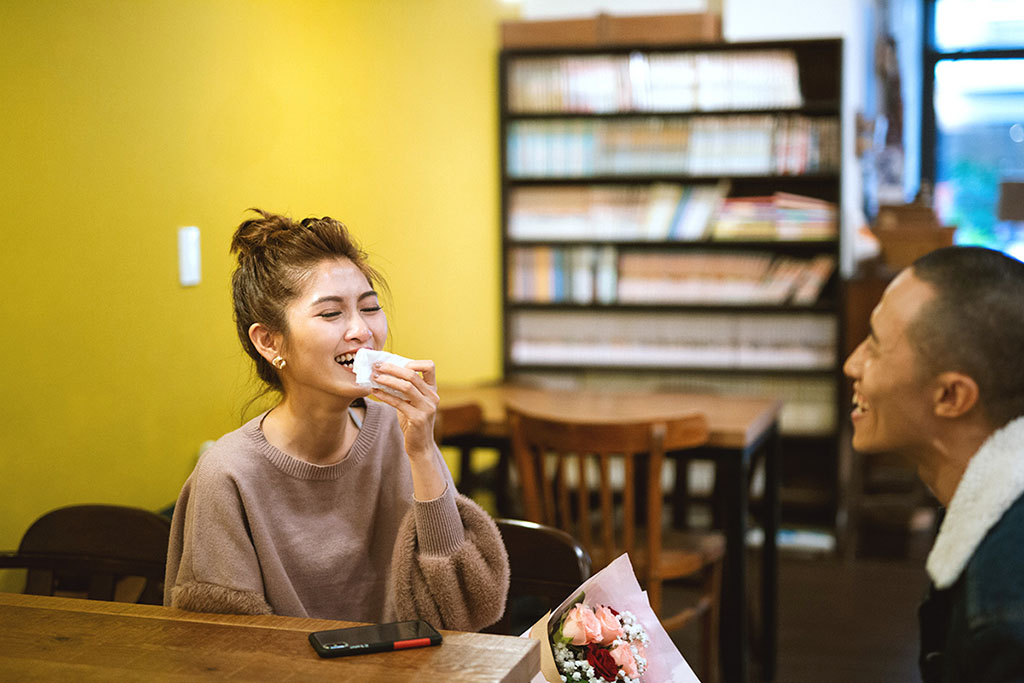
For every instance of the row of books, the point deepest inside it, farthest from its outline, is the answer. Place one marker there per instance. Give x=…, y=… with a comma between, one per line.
x=781, y=216
x=692, y=81
x=676, y=340
x=716, y=278
x=664, y=212
x=659, y=211
x=710, y=145
x=580, y=275
x=585, y=275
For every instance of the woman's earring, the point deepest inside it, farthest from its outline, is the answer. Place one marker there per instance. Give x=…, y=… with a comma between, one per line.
x=279, y=362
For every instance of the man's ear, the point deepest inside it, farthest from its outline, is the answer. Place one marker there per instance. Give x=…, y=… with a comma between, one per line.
x=955, y=394
x=268, y=343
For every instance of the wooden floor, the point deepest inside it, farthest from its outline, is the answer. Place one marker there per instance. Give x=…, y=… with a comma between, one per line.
x=852, y=620
x=841, y=621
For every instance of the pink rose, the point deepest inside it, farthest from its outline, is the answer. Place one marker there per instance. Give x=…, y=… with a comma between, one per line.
x=581, y=625
x=623, y=658
x=610, y=626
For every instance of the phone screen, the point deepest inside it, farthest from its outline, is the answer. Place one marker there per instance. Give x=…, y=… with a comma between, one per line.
x=374, y=638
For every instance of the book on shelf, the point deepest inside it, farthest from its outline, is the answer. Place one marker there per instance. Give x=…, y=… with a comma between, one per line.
x=662, y=202
x=781, y=216
x=692, y=220
x=542, y=275
x=816, y=274
x=606, y=275
x=583, y=261
x=658, y=81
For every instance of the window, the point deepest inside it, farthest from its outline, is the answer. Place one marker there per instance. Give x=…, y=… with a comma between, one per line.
x=973, y=136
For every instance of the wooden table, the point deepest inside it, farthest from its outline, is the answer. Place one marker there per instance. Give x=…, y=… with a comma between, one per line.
x=50, y=638
x=742, y=429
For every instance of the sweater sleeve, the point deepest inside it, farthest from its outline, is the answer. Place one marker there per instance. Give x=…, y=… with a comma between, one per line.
x=211, y=562
x=449, y=566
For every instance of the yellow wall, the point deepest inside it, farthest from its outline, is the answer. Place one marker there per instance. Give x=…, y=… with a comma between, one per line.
x=125, y=119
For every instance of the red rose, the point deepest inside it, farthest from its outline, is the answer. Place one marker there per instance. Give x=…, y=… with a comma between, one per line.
x=602, y=661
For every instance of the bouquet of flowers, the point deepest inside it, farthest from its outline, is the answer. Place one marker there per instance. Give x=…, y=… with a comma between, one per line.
x=607, y=632
x=598, y=643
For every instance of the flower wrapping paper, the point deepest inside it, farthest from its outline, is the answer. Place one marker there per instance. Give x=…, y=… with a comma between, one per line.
x=616, y=586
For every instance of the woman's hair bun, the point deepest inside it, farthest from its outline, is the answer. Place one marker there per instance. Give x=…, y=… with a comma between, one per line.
x=253, y=236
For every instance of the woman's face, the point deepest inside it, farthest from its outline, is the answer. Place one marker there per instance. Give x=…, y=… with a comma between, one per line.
x=335, y=315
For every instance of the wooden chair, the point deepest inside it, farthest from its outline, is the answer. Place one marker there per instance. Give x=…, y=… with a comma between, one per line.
x=545, y=566
x=566, y=473
x=91, y=549
x=453, y=421
x=459, y=426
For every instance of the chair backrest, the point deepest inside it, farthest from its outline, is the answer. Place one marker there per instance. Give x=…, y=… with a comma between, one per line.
x=457, y=419
x=545, y=566
x=566, y=473
x=89, y=548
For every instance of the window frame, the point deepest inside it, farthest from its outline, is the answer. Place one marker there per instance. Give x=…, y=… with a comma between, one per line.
x=930, y=57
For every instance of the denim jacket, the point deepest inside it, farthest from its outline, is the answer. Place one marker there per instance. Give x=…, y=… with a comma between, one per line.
x=972, y=622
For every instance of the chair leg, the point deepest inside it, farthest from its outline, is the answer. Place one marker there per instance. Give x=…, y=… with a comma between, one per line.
x=713, y=589
x=39, y=582
x=681, y=494
x=654, y=594
x=101, y=587
x=507, y=502
x=466, y=483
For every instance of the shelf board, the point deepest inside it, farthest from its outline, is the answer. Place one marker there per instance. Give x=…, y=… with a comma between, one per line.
x=647, y=178
x=791, y=372
x=823, y=245
x=798, y=44
x=819, y=108
x=819, y=307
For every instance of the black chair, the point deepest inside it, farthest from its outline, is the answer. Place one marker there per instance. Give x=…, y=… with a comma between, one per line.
x=92, y=550
x=545, y=564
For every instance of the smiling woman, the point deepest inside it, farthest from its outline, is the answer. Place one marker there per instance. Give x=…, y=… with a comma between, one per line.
x=329, y=505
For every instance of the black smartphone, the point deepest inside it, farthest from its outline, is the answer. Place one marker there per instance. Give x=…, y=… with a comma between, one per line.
x=359, y=640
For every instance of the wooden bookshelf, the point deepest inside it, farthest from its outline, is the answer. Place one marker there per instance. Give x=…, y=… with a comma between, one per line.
x=670, y=220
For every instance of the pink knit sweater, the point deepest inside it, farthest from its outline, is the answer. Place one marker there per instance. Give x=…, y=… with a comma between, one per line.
x=257, y=531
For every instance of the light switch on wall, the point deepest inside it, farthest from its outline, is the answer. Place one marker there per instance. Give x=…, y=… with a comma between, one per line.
x=188, y=256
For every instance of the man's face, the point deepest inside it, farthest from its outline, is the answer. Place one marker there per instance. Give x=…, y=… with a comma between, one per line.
x=892, y=403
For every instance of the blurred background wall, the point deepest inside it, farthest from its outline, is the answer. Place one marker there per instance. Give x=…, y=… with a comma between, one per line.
x=124, y=120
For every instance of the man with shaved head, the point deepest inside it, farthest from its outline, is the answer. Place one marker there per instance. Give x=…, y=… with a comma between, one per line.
x=940, y=381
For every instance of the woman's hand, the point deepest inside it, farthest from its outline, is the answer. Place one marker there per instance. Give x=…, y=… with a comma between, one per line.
x=417, y=406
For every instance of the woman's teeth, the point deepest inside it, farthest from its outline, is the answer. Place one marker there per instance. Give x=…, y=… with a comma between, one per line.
x=859, y=404
x=345, y=358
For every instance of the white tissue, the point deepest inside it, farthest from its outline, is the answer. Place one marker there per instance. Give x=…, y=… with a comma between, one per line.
x=363, y=366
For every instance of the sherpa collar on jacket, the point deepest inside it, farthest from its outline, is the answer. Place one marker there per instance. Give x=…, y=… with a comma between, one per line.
x=993, y=480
